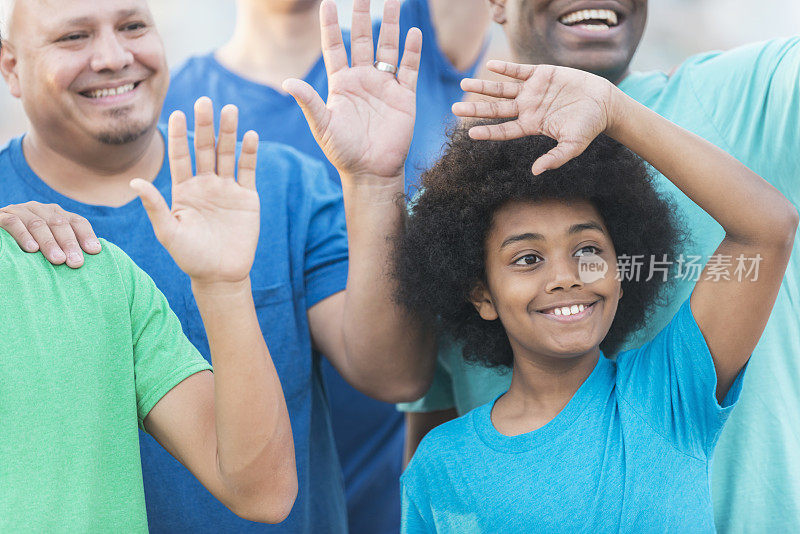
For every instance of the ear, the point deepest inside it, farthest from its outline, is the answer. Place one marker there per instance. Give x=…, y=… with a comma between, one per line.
x=498, y=8
x=482, y=300
x=8, y=68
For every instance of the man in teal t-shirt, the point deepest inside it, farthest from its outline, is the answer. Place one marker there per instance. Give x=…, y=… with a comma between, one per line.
x=88, y=356
x=746, y=101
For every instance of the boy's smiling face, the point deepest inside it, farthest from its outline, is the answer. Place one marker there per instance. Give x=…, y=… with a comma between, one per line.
x=542, y=278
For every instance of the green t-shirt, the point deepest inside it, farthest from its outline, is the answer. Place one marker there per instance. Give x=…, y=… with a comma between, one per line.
x=84, y=356
x=746, y=101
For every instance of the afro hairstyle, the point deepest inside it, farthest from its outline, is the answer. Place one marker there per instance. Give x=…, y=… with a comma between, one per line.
x=440, y=258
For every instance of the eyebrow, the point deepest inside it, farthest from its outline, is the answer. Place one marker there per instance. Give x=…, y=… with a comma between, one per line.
x=529, y=236
x=122, y=14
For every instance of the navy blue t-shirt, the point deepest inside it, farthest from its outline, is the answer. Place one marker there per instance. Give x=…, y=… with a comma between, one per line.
x=369, y=434
x=301, y=259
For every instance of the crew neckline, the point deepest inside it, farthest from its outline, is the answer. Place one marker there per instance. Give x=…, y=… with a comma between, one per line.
x=598, y=383
x=132, y=208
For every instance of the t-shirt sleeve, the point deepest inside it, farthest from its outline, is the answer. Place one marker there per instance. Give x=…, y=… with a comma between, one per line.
x=412, y=520
x=162, y=355
x=754, y=105
x=670, y=382
x=417, y=14
x=439, y=395
x=326, y=256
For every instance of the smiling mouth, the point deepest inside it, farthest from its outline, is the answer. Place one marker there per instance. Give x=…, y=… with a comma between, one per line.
x=110, y=91
x=591, y=19
x=572, y=312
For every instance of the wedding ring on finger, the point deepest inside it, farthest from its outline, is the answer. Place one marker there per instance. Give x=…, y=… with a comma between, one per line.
x=385, y=67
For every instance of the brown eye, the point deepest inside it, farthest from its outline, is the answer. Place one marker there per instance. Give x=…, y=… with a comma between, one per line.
x=589, y=249
x=528, y=259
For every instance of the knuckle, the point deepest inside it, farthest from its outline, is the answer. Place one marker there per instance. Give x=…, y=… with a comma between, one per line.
x=36, y=223
x=57, y=220
x=8, y=219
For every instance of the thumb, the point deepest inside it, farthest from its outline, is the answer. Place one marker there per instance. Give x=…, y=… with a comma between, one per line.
x=156, y=207
x=558, y=156
x=310, y=102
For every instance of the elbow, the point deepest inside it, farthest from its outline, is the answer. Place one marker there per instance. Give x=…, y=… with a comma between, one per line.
x=786, y=231
x=405, y=389
x=271, y=505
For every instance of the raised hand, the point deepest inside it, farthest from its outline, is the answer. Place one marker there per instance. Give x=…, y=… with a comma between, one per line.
x=365, y=128
x=212, y=229
x=571, y=106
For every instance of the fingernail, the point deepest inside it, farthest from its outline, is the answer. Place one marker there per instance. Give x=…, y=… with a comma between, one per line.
x=74, y=257
x=93, y=243
x=31, y=246
x=58, y=255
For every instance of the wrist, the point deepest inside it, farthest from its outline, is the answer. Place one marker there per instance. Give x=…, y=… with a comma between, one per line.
x=618, y=111
x=373, y=188
x=210, y=288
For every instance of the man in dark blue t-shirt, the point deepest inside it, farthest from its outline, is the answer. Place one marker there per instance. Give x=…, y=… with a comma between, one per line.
x=276, y=40
x=92, y=78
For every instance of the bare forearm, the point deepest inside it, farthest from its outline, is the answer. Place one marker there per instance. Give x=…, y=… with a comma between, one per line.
x=255, y=451
x=389, y=353
x=748, y=208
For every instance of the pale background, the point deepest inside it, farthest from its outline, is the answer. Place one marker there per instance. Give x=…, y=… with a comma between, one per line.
x=676, y=29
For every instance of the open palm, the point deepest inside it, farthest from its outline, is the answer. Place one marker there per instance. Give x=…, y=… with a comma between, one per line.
x=212, y=229
x=568, y=105
x=368, y=122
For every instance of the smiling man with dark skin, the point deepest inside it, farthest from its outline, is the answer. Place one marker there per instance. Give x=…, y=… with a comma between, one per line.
x=92, y=78
x=745, y=101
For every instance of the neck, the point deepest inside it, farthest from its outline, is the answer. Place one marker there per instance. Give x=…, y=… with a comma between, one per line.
x=271, y=43
x=99, y=174
x=540, y=389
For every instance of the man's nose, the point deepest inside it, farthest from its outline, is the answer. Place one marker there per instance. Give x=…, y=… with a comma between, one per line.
x=110, y=53
x=564, y=275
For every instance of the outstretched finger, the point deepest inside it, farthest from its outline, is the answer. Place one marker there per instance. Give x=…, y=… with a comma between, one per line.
x=512, y=70
x=556, y=157
x=361, y=46
x=310, y=102
x=408, y=72
x=156, y=207
x=333, y=51
x=180, y=160
x=389, y=38
x=226, y=144
x=497, y=109
x=205, y=157
x=493, y=89
x=248, y=158
x=498, y=132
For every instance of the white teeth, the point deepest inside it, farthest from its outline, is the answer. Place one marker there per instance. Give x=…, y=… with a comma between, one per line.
x=566, y=310
x=557, y=311
x=606, y=15
x=114, y=91
x=574, y=309
x=581, y=307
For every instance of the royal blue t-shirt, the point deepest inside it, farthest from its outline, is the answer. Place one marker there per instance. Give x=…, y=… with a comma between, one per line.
x=630, y=452
x=301, y=259
x=369, y=434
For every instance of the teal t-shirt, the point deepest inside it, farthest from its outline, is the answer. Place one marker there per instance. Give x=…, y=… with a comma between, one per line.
x=630, y=452
x=85, y=354
x=746, y=101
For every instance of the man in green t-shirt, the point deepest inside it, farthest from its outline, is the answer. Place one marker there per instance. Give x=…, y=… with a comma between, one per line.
x=89, y=355
x=746, y=101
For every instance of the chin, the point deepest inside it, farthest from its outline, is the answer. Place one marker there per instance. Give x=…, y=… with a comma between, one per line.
x=124, y=133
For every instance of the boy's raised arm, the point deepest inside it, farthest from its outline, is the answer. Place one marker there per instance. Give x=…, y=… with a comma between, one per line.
x=573, y=107
x=232, y=429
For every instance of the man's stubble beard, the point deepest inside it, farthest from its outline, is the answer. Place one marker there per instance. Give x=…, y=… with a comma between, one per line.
x=127, y=132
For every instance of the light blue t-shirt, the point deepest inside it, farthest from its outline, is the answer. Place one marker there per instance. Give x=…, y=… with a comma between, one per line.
x=301, y=259
x=746, y=101
x=630, y=452
x=369, y=434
